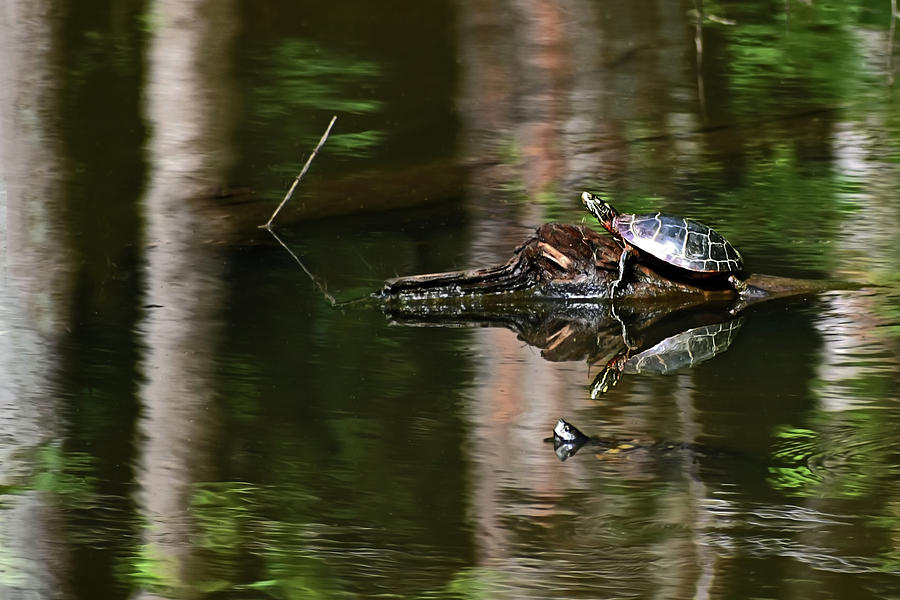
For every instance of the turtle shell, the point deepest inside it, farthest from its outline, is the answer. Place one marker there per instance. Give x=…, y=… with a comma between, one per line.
x=678, y=241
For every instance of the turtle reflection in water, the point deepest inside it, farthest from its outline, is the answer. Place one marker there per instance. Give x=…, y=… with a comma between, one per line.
x=684, y=350
x=567, y=440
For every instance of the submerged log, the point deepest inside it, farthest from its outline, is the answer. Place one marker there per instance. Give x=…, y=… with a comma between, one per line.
x=574, y=262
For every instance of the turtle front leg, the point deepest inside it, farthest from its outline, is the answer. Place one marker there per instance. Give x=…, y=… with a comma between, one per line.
x=739, y=285
x=623, y=259
x=744, y=289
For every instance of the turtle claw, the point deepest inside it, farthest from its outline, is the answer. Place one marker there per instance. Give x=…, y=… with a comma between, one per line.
x=745, y=289
x=739, y=285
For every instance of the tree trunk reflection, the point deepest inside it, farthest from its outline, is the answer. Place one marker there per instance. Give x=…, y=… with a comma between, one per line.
x=188, y=104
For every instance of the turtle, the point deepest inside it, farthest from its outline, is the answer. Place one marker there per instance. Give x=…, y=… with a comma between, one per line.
x=684, y=243
x=568, y=440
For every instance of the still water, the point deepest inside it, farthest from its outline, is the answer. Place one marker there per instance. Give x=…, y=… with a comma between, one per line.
x=184, y=413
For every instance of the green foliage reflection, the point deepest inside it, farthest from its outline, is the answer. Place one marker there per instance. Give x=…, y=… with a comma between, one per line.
x=477, y=584
x=784, y=57
x=240, y=537
x=301, y=78
x=299, y=75
x=843, y=460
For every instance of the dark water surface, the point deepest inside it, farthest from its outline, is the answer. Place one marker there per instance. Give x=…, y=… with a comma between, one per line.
x=183, y=414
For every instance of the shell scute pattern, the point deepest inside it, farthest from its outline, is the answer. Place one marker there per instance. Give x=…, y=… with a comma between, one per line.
x=682, y=242
x=686, y=349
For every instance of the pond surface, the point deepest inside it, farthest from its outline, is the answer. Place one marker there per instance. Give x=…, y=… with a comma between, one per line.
x=184, y=413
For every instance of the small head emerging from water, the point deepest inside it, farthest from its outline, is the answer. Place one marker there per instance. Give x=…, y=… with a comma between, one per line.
x=602, y=211
x=568, y=434
x=567, y=440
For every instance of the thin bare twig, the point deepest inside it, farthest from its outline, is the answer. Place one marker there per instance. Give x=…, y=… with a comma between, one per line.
x=312, y=277
x=290, y=192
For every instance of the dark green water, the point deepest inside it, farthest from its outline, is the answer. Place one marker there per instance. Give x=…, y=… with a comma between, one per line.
x=184, y=415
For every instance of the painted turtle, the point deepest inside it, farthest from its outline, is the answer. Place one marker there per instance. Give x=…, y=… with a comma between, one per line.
x=681, y=242
x=568, y=440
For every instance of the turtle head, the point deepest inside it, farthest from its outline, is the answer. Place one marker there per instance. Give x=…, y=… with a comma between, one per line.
x=601, y=210
x=567, y=433
x=567, y=440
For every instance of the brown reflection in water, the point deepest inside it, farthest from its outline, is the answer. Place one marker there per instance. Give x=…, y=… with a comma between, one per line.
x=513, y=401
x=35, y=283
x=547, y=89
x=190, y=109
x=518, y=61
x=552, y=96
x=516, y=78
